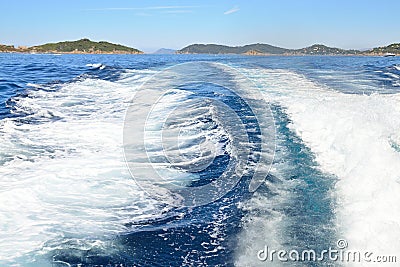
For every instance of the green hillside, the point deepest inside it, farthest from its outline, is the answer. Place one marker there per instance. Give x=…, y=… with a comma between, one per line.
x=84, y=46
x=319, y=49
x=393, y=48
x=7, y=48
x=223, y=49
x=260, y=49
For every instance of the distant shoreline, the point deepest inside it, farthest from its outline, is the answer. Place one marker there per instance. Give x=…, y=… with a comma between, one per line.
x=268, y=50
x=86, y=46
x=70, y=53
x=82, y=46
x=179, y=54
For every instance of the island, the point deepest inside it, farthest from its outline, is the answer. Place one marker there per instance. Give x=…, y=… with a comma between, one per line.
x=259, y=49
x=266, y=49
x=82, y=46
x=165, y=51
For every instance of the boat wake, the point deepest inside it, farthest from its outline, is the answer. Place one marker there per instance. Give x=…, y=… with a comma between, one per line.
x=68, y=196
x=351, y=138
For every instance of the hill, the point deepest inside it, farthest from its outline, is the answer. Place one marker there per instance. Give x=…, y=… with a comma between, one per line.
x=264, y=49
x=319, y=49
x=223, y=49
x=84, y=46
x=7, y=48
x=392, y=48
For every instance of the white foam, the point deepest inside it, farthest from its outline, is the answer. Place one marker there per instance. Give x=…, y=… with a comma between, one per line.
x=33, y=85
x=64, y=175
x=395, y=76
x=181, y=133
x=96, y=66
x=350, y=136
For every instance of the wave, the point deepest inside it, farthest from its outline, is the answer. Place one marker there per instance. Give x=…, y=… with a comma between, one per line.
x=96, y=66
x=397, y=67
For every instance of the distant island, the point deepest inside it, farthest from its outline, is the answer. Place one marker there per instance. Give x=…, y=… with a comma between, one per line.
x=83, y=46
x=266, y=49
x=165, y=51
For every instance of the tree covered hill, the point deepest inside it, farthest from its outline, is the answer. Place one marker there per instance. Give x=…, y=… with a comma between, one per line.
x=265, y=49
x=223, y=49
x=392, y=48
x=319, y=49
x=79, y=46
x=85, y=46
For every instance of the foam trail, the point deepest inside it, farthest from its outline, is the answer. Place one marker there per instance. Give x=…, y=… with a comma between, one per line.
x=350, y=136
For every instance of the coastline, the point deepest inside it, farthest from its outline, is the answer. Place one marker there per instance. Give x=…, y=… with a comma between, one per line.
x=292, y=55
x=74, y=53
x=228, y=54
x=86, y=46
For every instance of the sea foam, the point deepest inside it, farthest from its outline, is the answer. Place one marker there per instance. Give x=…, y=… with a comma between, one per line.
x=350, y=136
x=63, y=174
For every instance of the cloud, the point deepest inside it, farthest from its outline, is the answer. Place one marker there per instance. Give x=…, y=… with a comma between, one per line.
x=232, y=10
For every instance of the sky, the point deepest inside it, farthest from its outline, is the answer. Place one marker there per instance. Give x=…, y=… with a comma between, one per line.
x=151, y=24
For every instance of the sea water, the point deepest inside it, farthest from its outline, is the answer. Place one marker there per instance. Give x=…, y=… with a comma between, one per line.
x=67, y=197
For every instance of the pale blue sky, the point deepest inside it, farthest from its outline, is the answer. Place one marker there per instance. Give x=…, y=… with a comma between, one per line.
x=151, y=24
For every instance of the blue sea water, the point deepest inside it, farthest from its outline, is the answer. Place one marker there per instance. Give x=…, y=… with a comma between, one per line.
x=67, y=197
